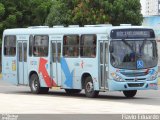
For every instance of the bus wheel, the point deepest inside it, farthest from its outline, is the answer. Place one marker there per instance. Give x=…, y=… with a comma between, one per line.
x=72, y=91
x=130, y=93
x=89, y=88
x=35, y=85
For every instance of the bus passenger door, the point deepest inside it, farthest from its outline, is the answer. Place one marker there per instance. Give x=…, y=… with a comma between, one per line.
x=55, y=61
x=103, y=64
x=22, y=62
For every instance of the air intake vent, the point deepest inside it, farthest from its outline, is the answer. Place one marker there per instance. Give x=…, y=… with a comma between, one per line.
x=99, y=25
x=134, y=74
x=58, y=26
x=125, y=24
x=73, y=26
x=35, y=27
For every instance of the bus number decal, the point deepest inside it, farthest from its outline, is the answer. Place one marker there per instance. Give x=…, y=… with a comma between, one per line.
x=13, y=65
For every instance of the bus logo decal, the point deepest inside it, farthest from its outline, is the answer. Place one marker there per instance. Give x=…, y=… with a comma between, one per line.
x=152, y=71
x=33, y=62
x=43, y=71
x=68, y=75
x=82, y=63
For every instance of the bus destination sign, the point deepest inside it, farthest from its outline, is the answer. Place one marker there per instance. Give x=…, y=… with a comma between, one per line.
x=132, y=33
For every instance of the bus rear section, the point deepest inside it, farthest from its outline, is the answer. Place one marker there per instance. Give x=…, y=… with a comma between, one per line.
x=133, y=61
x=9, y=59
x=14, y=58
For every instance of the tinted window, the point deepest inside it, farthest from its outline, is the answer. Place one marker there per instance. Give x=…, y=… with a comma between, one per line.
x=88, y=46
x=56, y=51
x=59, y=51
x=31, y=39
x=10, y=45
x=71, y=46
x=134, y=54
x=20, y=51
x=40, y=45
x=25, y=51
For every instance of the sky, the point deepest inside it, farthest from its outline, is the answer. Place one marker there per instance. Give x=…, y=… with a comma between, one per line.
x=143, y=6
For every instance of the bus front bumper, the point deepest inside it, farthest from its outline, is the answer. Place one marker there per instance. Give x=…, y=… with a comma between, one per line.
x=137, y=85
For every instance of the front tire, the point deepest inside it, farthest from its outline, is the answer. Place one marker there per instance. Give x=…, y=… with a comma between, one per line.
x=35, y=85
x=89, y=88
x=130, y=93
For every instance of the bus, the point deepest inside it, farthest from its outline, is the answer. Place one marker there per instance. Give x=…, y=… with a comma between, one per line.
x=96, y=58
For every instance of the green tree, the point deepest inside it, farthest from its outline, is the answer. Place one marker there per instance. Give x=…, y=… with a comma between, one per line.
x=23, y=13
x=2, y=9
x=125, y=11
x=83, y=12
x=59, y=14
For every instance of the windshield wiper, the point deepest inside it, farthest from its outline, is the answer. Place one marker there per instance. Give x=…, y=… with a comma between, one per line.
x=142, y=46
x=125, y=42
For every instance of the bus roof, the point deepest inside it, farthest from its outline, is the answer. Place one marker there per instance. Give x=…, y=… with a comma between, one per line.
x=66, y=30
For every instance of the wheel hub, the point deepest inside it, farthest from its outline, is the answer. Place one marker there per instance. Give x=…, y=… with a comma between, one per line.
x=89, y=86
x=34, y=84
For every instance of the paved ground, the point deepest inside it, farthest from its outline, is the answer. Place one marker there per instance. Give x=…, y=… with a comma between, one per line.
x=18, y=99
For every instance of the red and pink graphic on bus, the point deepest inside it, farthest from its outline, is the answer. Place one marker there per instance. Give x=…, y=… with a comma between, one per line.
x=42, y=69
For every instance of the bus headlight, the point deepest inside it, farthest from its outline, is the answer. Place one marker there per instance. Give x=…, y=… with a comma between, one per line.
x=153, y=76
x=116, y=77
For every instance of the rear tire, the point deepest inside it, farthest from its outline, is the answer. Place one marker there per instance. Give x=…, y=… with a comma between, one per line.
x=89, y=88
x=35, y=85
x=72, y=91
x=130, y=93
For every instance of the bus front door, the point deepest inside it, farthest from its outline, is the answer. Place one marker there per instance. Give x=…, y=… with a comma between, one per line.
x=22, y=62
x=103, y=66
x=56, y=66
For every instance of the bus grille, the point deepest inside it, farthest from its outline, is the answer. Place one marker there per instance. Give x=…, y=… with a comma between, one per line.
x=134, y=74
x=135, y=84
x=137, y=79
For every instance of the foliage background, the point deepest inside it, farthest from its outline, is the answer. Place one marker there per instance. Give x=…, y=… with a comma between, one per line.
x=24, y=13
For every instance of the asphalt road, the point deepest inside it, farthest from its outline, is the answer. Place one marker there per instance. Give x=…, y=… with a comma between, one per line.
x=19, y=100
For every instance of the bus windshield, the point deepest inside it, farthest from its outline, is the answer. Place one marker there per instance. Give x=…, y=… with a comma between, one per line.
x=133, y=54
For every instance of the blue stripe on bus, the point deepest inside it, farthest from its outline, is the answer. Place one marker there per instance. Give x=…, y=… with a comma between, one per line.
x=68, y=75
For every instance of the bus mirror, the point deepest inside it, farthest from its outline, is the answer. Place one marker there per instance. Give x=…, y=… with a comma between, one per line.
x=111, y=49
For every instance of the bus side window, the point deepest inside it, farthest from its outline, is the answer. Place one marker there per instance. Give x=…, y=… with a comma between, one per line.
x=10, y=45
x=71, y=46
x=31, y=38
x=88, y=46
x=93, y=54
x=40, y=45
x=35, y=52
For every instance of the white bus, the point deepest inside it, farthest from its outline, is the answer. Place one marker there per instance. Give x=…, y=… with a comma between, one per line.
x=94, y=58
